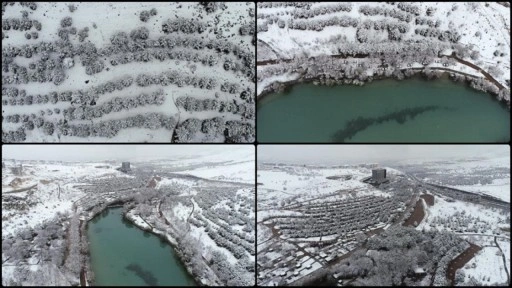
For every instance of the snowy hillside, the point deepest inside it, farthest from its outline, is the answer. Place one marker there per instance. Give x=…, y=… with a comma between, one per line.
x=128, y=72
x=45, y=200
x=205, y=214
x=355, y=42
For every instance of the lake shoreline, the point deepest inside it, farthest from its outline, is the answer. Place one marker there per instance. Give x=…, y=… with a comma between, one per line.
x=172, y=242
x=455, y=76
x=377, y=112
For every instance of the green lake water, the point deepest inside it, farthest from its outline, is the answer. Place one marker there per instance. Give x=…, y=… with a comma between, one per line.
x=122, y=254
x=412, y=110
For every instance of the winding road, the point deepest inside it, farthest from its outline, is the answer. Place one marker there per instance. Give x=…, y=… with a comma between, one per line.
x=487, y=76
x=504, y=260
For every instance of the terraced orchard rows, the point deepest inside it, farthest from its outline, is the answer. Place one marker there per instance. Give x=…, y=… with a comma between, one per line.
x=180, y=72
x=330, y=218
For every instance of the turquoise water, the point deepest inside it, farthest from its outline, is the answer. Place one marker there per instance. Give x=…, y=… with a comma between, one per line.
x=122, y=254
x=412, y=110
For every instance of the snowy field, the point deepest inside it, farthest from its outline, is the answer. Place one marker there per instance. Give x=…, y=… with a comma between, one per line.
x=287, y=182
x=481, y=175
x=45, y=197
x=480, y=218
x=479, y=32
x=489, y=267
x=128, y=72
x=505, y=247
x=235, y=164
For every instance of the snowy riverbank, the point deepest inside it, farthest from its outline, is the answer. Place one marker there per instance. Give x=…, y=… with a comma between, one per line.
x=353, y=43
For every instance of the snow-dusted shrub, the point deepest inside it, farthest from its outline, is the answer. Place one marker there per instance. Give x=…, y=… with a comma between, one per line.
x=83, y=33
x=188, y=26
x=212, y=126
x=144, y=16
x=119, y=39
x=25, y=24
x=238, y=132
x=143, y=80
x=140, y=33
x=66, y=22
x=209, y=7
x=186, y=130
x=63, y=34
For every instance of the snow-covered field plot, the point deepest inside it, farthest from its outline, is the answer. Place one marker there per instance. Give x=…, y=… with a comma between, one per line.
x=236, y=164
x=486, y=176
x=318, y=212
x=486, y=267
x=293, y=182
x=465, y=217
x=505, y=248
x=128, y=72
x=214, y=227
x=350, y=42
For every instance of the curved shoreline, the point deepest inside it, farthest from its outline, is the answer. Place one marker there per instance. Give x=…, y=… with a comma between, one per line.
x=171, y=241
x=286, y=85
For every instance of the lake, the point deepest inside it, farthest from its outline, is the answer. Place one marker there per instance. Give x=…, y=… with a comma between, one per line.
x=122, y=254
x=412, y=110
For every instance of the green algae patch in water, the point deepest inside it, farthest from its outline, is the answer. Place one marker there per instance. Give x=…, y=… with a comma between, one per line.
x=121, y=255
x=412, y=110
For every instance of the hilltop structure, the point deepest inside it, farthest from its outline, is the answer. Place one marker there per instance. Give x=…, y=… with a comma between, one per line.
x=125, y=167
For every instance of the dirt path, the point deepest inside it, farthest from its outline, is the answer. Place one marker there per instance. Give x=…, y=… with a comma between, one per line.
x=161, y=214
x=20, y=190
x=504, y=260
x=488, y=76
x=152, y=183
x=460, y=261
x=82, y=269
x=429, y=199
x=189, y=215
x=416, y=216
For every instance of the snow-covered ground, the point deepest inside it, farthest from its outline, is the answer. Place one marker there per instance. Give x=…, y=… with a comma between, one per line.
x=500, y=188
x=485, y=219
x=489, y=268
x=185, y=212
x=505, y=247
x=229, y=72
x=306, y=183
x=46, y=199
x=235, y=164
x=488, y=175
x=482, y=27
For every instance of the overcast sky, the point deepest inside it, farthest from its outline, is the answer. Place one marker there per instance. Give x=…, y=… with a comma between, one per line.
x=107, y=152
x=352, y=154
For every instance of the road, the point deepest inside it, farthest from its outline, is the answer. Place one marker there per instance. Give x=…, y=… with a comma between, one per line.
x=20, y=190
x=504, y=260
x=484, y=199
x=487, y=76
